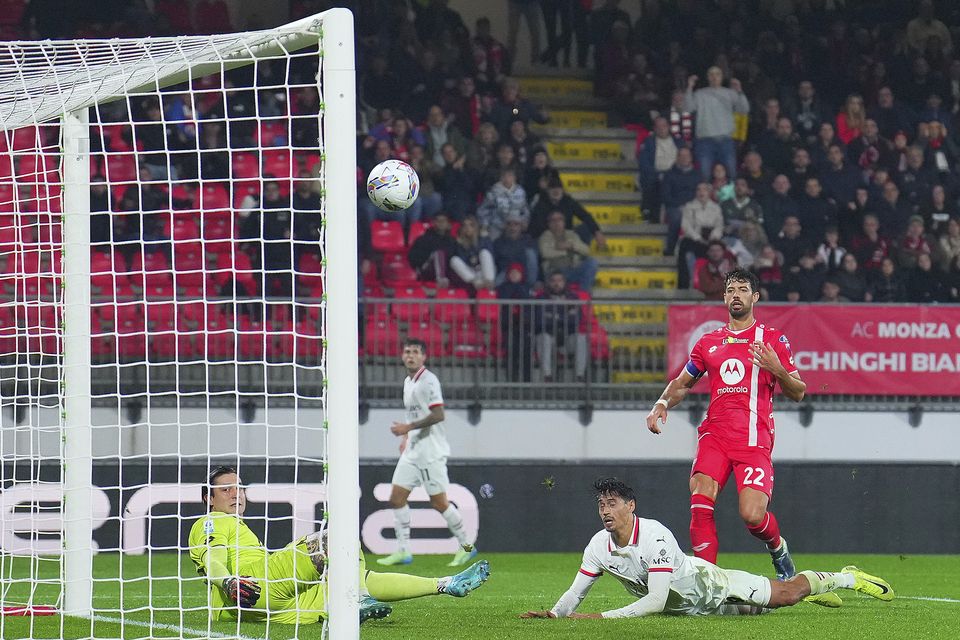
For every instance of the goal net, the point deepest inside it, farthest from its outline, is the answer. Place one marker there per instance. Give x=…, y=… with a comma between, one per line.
x=178, y=282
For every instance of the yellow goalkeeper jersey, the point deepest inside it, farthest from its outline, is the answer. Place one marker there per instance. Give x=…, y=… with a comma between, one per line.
x=246, y=555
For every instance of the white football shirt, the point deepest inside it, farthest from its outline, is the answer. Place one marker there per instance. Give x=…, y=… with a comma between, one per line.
x=421, y=392
x=696, y=586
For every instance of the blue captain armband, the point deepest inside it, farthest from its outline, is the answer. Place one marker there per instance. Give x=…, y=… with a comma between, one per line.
x=692, y=369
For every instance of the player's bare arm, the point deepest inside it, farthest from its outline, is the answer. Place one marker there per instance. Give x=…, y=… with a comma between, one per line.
x=766, y=358
x=403, y=428
x=677, y=389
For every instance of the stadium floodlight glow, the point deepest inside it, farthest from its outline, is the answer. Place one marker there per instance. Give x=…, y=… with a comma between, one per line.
x=177, y=259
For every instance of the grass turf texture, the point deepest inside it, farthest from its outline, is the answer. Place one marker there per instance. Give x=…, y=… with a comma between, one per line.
x=518, y=582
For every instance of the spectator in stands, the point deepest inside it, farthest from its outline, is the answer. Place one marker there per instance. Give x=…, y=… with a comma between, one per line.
x=429, y=199
x=515, y=323
x=869, y=247
x=952, y=88
x=740, y=208
x=853, y=284
x=759, y=177
x=430, y=254
x=558, y=200
x=839, y=179
x=816, y=212
x=613, y=66
x=807, y=281
x=950, y=243
x=515, y=246
x=530, y=10
x=922, y=82
x=441, y=131
x=482, y=152
x=505, y=199
x=830, y=254
x=472, y=264
x=465, y=107
x=916, y=180
x=721, y=183
x=144, y=201
x=912, y=243
x=563, y=250
x=712, y=270
x=456, y=184
x=402, y=137
x=777, y=205
x=538, y=175
x=887, y=284
x=277, y=230
x=764, y=124
x=379, y=86
x=850, y=120
x=306, y=216
x=791, y=242
x=801, y=168
x=926, y=284
x=100, y=218
x=505, y=159
x=831, y=293
x=943, y=151
x=937, y=211
x=752, y=237
x=680, y=118
x=925, y=26
x=679, y=187
x=777, y=149
x=557, y=326
x=819, y=150
x=702, y=221
x=512, y=106
x=522, y=141
x=893, y=211
x=870, y=149
x=807, y=112
x=714, y=106
x=889, y=115
x=657, y=156
x=770, y=270
x=496, y=58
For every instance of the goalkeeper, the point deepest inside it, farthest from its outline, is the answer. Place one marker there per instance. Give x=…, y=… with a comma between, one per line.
x=285, y=586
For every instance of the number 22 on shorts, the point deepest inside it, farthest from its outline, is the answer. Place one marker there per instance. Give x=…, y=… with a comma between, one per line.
x=753, y=475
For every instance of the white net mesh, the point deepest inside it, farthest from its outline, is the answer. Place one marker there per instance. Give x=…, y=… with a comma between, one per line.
x=207, y=321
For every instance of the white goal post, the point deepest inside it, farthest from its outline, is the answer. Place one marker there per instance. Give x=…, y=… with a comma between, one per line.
x=61, y=87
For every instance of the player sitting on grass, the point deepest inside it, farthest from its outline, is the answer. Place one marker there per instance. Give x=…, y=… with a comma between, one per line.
x=645, y=557
x=285, y=586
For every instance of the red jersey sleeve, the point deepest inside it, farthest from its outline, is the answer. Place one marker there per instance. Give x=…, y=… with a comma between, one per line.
x=696, y=366
x=782, y=348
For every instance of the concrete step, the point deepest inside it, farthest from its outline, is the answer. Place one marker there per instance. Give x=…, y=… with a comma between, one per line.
x=608, y=182
x=593, y=150
x=575, y=119
x=569, y=133
x=569, y=102
x=634, y=230
x=630, y=314
x=547, y=87
x=649, y=278
x=599, y=166
x=591, y=198
x=615, y=214
x=646, y=294
x=656, y=261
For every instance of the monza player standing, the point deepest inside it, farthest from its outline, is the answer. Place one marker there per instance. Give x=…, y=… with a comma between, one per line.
x=745, y=360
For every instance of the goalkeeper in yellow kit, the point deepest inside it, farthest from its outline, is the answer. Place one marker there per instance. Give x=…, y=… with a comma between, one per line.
x=245, y=580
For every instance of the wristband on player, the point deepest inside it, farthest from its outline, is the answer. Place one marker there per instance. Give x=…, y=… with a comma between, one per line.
x=666, y=405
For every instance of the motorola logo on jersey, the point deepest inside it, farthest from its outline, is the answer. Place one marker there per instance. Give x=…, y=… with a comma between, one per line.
x=731, y=371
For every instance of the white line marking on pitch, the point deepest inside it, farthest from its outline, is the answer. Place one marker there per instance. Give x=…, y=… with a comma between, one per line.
x=171, y=627
x=928, y=599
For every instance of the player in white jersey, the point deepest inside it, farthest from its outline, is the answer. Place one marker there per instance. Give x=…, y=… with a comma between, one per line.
x=645, y=557
x=423, y=457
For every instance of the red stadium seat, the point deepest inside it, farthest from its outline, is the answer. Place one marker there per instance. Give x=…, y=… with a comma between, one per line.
x=397, y=272
x=382, y=338
x=457, y=309
x=386, y=236
x=410, y=304
x=182, y=226
x=245, y=165
x=488, y=311
x=243, y=189
x=432, y=334
x=467, y=341
x=276, y=163
x=599, y=343
x=417, y=229
x=274, y=133
x=154, y=268
x=307, y=342
x=218, y=225
x=212, y=196
x=251, y=338
x=120, y=168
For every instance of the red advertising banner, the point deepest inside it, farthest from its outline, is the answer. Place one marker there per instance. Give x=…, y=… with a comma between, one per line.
x=846, y=349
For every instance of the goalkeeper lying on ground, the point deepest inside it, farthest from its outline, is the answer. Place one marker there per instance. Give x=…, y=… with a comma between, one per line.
x=285, y=586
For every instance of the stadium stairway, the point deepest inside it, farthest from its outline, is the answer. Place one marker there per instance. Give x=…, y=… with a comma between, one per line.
x=598, y=167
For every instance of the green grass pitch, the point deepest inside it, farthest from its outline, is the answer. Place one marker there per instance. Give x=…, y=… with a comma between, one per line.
x=928, y=604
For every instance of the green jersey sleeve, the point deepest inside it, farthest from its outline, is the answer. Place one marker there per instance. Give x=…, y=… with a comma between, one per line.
x=212, y=530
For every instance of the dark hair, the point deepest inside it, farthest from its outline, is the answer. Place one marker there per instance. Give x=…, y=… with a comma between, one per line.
x=554, y=182
x=416, y=342
x=612, y=486
x=742, y=275
x=720, y=243
x=221, y=470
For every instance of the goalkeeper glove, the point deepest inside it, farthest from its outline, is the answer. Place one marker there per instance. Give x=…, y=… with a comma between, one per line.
x=243, y=591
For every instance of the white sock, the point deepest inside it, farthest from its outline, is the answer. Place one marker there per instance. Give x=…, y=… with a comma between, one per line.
x=824, y=581
x=401, y=527
x=455, y=523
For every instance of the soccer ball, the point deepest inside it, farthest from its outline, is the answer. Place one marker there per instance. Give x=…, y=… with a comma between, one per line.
x=393, y=185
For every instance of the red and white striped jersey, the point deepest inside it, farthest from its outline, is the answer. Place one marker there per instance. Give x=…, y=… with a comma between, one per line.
x=741, y=394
